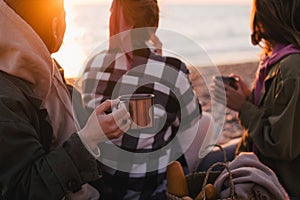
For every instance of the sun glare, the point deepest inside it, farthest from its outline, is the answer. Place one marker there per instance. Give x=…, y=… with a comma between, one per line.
x=74, y=2
x=87, y=26
x=166, y=1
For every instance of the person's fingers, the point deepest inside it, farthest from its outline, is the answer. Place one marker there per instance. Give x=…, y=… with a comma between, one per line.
x=219, y=83
x=219, y=90
x=125, y=125
x=107, y=123
x=238, y=79
x=114, y=120
x=240, y=90
x=235, y=76
x=217, y=80
x=219, y=95
x=106, y=105
x=114, y=102
x=120, y=112
x=115, y=134
x=226, y=95
x=120, y=128
x=231, y=92
x=122, y=120
x=220, y=99
x=229, y=89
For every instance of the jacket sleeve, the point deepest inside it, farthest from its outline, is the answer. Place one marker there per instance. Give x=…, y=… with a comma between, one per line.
x=275, y=128
x=27, y=170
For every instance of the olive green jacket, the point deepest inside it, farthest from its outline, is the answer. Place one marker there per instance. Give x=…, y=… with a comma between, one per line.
x=29, y=168
x=274, y=125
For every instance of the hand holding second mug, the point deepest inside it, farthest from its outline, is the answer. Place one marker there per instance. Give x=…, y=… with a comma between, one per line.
x=242, y=84
x=228, y=96
x=101, y=127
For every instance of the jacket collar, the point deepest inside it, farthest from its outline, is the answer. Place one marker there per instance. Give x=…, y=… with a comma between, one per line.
x=23, y=53
x=268, y=80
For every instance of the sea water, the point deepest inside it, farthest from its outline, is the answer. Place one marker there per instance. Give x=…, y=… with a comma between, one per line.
x=221, y=31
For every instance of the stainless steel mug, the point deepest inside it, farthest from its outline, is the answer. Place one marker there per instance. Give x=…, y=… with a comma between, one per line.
x=140, y=107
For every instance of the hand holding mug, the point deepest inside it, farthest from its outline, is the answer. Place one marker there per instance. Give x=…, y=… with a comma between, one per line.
x=101, y=127
x=233, y=94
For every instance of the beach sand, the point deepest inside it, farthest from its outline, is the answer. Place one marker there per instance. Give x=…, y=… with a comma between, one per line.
x=246, y=71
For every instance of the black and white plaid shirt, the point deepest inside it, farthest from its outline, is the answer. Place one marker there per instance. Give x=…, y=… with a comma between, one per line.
x=106, y=77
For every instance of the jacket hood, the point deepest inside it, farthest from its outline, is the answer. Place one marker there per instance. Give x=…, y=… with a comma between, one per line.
x=22, y=53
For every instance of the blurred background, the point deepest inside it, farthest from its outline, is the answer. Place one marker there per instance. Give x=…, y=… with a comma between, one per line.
x=221, y=27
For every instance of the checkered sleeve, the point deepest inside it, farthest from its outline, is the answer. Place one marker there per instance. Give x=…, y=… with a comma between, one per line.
x=176, y=108
x=172, y=86
x=100, y=77
x=90, y=79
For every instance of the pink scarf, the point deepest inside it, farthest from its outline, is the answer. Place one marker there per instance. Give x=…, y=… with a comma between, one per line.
x=267, y=63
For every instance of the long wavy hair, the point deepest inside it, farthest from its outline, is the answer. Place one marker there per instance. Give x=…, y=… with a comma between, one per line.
x=275, y=22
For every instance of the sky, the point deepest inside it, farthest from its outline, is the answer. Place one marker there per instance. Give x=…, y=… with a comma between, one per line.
x=168, y=1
